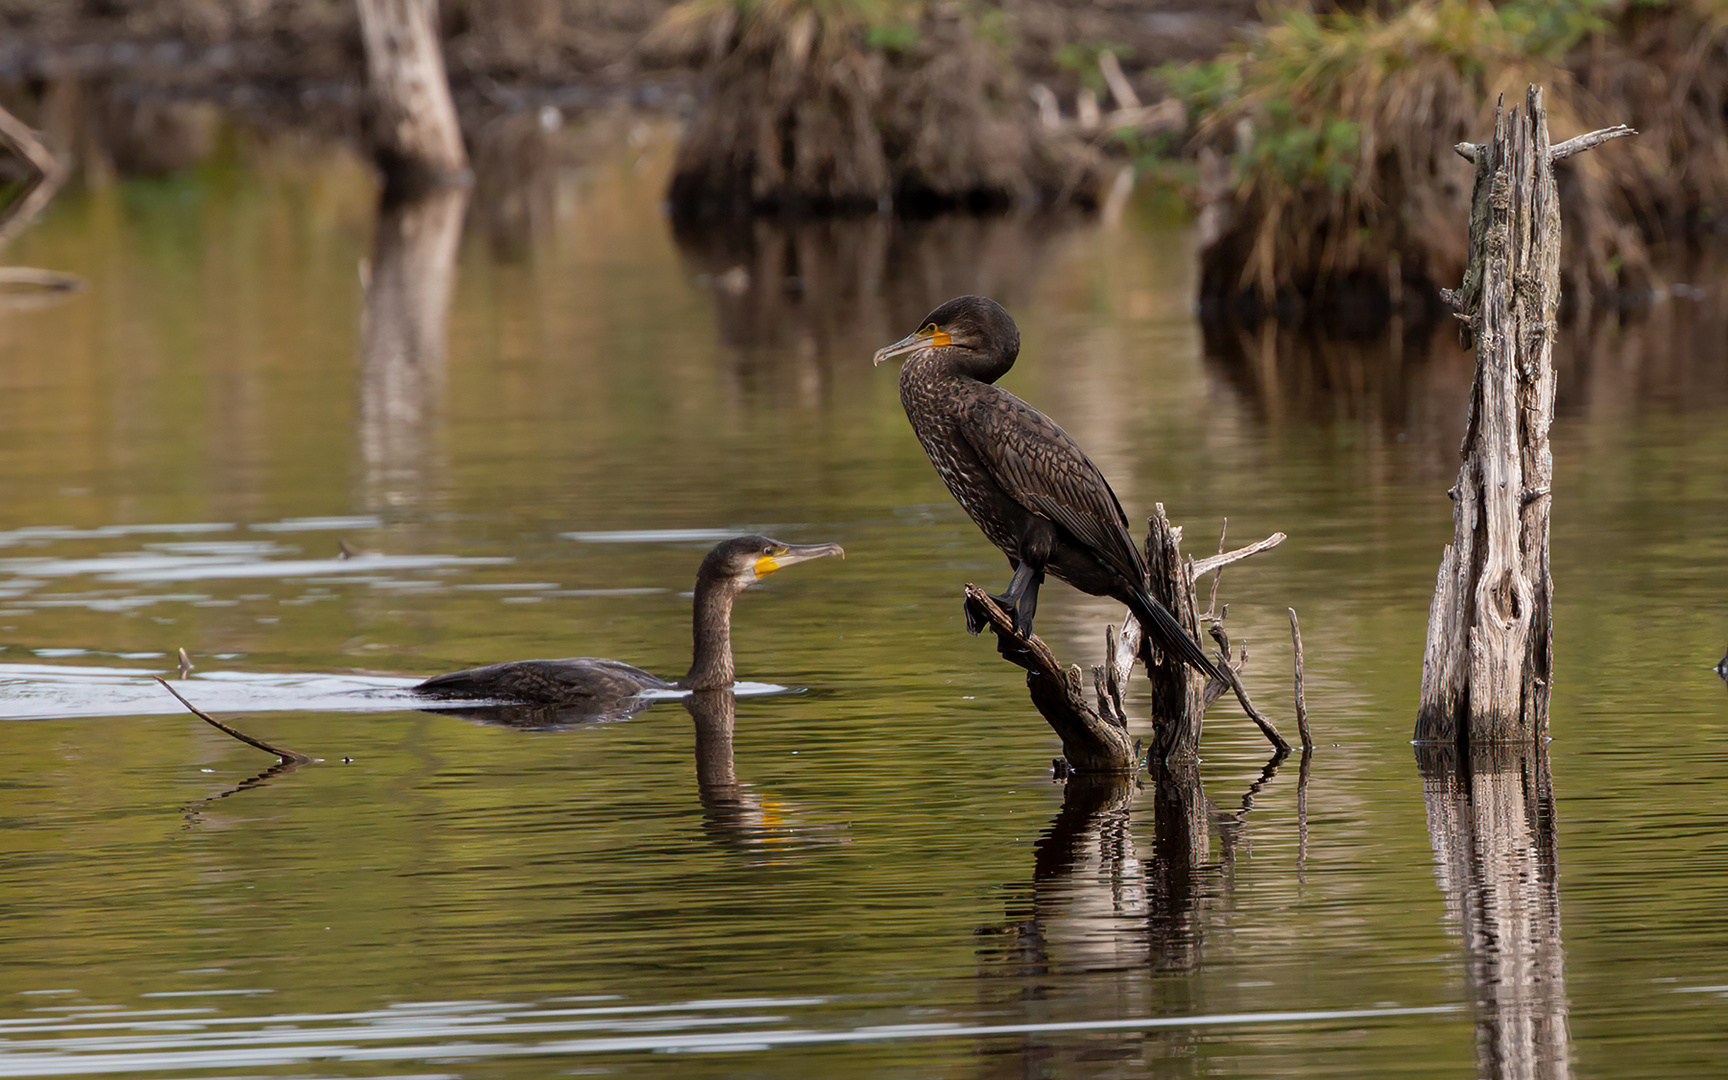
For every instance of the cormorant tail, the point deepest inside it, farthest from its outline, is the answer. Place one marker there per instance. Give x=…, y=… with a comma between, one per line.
x=1168, y=635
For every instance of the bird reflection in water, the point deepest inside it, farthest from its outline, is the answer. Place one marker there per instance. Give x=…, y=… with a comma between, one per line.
x=733, y=811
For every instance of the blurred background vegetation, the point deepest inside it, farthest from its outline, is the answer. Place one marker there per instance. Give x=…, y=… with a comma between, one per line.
x=1313, y=141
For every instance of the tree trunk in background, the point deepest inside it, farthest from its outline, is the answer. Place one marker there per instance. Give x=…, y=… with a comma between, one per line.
x=415, y=135
x=1488, y=666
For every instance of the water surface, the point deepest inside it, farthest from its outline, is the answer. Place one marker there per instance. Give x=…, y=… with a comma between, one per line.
x=218, y=447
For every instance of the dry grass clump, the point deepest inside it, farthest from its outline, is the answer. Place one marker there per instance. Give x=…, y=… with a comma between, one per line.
x=822, y=105
x=1340, y=131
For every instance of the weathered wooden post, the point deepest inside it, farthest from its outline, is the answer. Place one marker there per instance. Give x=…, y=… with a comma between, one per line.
x=415, y=135
x=1487, y=669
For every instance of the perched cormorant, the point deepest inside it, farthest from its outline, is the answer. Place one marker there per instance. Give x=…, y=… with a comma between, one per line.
x=1027, y=485
x=733, y=566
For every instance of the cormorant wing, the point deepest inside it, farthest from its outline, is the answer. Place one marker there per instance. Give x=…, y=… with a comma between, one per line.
x=1044, y=470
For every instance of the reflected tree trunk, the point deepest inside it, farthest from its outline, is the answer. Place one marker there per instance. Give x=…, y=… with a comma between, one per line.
x=1491, y=823
x=403, y=333
x=1101, y=905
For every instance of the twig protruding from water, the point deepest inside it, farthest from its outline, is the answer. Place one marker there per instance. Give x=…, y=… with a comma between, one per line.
x=293, y=757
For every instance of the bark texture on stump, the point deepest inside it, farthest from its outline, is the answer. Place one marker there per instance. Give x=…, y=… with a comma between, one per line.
x=1487, y=669
x=1094, y=732
x=415, y=135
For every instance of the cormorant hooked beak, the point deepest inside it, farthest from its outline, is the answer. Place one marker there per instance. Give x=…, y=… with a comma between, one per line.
x=790, y=554
x=930, y=337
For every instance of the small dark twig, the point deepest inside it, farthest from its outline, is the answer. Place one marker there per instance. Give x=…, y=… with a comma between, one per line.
x=1212, y=603
x=1301, y=697
x=288, y=756
x=1267, y=728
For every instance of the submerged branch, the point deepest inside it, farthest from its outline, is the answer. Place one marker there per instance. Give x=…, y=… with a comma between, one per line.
x=293, y=757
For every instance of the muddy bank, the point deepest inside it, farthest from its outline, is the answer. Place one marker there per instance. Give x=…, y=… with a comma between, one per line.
x=1329, y=176
x=129, y=86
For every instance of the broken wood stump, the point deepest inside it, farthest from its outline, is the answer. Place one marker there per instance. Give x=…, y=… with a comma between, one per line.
x=1094, y=730
x=1487, y=668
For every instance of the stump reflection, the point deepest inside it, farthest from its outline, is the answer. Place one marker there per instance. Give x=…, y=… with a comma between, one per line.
x=1104, y=921
x=403, y=335
x=1491, y=822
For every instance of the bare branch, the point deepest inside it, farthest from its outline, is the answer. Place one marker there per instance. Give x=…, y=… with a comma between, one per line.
x=1267, y=728
x=1587, y=141
x=287, y=756
x=1218, y=578
x=1214, y=562
x=49, y=174
x=1092, y=741
x=1301, y=698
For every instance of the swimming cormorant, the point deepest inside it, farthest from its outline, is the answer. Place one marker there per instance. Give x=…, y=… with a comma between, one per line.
x=733, y=566
x=1027, y=485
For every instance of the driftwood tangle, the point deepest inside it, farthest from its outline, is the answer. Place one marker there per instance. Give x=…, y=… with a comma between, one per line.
x=1094, y=730
x=1487, y=668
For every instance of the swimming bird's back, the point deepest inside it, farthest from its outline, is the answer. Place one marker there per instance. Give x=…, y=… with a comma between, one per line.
x=578, y=679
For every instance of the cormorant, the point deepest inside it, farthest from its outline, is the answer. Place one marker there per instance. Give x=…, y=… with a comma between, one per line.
x=1026, y=484
x=598, y=685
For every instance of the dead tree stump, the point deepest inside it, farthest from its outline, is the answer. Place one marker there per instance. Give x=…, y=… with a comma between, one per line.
x=1487, y=668
x=1094, y=733
x=416, y=138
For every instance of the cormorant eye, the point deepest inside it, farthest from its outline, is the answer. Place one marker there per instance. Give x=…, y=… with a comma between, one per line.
x=929, y=331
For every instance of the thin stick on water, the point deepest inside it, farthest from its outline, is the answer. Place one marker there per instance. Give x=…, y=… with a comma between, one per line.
x=287, y=756
x=1301, y=699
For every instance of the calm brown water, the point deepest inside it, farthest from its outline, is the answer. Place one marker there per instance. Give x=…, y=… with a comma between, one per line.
x=884, y=882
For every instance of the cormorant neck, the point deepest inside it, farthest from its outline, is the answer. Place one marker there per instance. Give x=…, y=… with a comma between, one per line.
x=711, y=665
x=985, y=365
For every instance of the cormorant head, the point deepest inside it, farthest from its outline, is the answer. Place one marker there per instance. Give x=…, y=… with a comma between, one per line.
x=744, y=560
x=975, y=331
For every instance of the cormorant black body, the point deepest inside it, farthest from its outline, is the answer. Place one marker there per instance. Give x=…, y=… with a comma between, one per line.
x=1027, y=485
